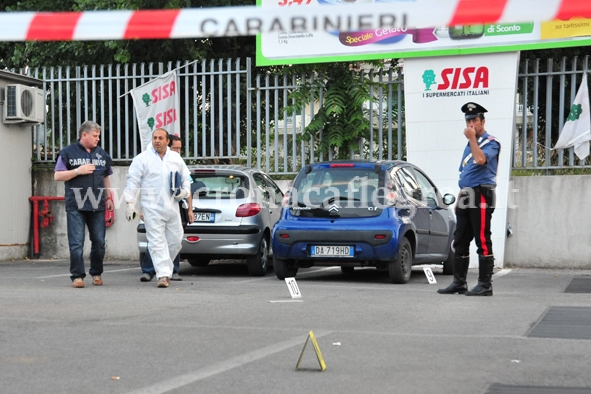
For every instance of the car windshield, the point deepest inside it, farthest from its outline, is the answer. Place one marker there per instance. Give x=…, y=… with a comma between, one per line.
x=223, y=186
x=337, y=192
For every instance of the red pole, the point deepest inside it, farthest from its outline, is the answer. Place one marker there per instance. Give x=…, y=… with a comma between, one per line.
x=35, y=200
x=35, y=228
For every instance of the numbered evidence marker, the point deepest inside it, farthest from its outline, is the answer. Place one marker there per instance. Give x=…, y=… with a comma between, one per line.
x=316, y=349
x=430, y=276
x=292, y=286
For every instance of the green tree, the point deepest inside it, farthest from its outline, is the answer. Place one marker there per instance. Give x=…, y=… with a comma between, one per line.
x=340, y=119
x=69, y=53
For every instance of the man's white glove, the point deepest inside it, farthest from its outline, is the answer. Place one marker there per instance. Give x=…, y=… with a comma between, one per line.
x=130, y=212
x=182, y=195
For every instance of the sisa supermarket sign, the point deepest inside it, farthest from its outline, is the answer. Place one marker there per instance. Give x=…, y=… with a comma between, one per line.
x=456, y=81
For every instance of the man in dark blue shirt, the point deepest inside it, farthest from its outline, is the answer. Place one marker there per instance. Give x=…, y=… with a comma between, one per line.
x=475, y=206
x=85, y=168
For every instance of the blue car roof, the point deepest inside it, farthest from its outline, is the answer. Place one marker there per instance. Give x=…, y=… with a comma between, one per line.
x=357, y=163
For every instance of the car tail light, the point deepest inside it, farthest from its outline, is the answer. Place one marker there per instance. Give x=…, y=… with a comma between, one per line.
x=247, y=210
x=391, y=198
x=193, y=239
x=342, y=165
x=285, y=200
x=284, y=236
x=380, y=236
x=204, y=171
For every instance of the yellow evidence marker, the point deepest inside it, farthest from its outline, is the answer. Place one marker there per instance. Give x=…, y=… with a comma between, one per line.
x=316, y=349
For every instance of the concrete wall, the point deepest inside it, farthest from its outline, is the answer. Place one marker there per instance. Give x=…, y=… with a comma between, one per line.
x=551, y=223
x=120, y=238
x=550, y=217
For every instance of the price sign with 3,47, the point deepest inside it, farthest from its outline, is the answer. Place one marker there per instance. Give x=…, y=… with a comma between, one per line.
x=284, y=3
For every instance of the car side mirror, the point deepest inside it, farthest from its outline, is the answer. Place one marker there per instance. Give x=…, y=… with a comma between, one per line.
x=449, y=199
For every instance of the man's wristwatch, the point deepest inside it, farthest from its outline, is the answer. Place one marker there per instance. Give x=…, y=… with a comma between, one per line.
x=76, y=170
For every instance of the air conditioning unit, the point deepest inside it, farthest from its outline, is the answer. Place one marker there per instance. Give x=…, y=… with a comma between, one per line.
x=24, y=104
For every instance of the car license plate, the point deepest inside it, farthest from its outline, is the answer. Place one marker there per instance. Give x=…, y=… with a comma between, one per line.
x=204, y=217
x=332, y=251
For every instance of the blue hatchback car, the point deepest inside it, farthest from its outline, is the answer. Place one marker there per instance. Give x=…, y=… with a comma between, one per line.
x=384, y=214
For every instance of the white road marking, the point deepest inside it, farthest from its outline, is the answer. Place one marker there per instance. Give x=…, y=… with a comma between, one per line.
x=502, y=272
x=273, y=301
x=313, y=271
x=319, y=270
x=223, y=366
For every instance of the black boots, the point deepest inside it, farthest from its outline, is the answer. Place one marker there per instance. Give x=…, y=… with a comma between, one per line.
x=485, y=272
x=460, y=271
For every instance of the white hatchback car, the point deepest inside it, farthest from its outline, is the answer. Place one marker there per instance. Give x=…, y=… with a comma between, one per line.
x=235, y=209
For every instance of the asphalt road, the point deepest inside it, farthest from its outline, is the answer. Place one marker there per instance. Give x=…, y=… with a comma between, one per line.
x=222, y=331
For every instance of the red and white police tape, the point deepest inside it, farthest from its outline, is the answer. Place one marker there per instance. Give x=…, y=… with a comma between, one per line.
x=302, y=15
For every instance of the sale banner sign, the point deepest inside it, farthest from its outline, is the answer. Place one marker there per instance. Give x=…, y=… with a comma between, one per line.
x=157, y=106
x=340, y=41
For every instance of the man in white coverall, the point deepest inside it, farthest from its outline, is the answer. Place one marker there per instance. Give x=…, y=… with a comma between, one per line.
x=150, y=172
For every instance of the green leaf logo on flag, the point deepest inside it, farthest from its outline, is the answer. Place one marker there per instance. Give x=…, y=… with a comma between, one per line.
x=576, y=131
x=151, y=123
x=575, y=112
x=146, y=99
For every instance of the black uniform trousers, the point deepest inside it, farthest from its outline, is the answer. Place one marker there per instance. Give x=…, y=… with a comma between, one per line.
x=474, y=211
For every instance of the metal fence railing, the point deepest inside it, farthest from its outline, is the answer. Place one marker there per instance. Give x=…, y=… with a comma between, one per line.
x=210, y=97
x=547, y=91
x=279, y=148
x=231, y=115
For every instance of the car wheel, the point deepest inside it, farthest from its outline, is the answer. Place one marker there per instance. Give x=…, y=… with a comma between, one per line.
x=257, y=264
x=347, y=270
x=142, y=257
x=284, y=268
x=448, y=265
x=400, y=269
x=198, y=262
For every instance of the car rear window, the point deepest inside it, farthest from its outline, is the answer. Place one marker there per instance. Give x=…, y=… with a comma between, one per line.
x=219, y=186
x=354, y=190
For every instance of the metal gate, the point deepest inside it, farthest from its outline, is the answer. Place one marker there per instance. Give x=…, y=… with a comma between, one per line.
x=232, y=115
x=228, y=116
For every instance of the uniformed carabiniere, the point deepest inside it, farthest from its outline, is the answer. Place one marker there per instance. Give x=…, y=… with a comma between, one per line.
x=475, y=206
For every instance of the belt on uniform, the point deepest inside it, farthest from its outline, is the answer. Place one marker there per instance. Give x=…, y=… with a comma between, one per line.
x=466, y=190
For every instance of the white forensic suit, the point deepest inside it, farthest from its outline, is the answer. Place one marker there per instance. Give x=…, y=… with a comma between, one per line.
x=151, y=175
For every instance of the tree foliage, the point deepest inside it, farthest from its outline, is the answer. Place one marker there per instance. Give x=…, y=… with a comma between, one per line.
x=340, y=123
x=62, y=53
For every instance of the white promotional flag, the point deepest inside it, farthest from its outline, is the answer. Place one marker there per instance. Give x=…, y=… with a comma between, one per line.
x=157, y=106
x=577, y=128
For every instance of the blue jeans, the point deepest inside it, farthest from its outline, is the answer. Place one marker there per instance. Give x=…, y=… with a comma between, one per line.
x=148, y=265
x=95, y=221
